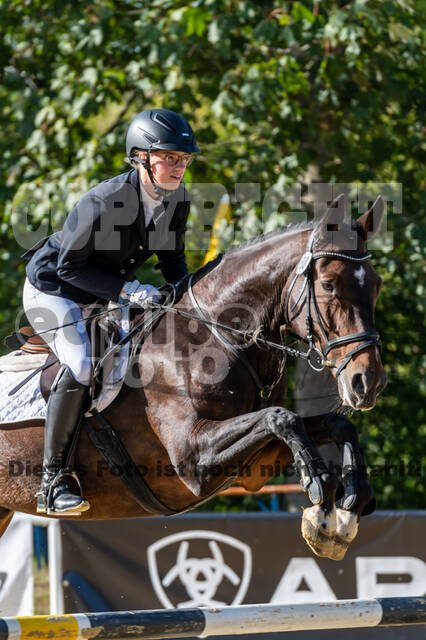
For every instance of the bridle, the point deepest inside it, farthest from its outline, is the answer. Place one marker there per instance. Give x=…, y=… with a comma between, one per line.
x=317, y=358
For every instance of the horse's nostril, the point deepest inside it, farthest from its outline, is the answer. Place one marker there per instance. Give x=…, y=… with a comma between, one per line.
x=358, y=384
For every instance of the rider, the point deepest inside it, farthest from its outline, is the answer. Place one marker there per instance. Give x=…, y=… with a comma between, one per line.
x=112, y=230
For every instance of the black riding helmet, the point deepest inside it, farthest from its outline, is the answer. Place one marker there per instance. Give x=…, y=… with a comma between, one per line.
x=162, y=129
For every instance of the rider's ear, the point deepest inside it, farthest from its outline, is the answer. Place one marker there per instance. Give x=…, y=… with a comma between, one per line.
x=368, y=225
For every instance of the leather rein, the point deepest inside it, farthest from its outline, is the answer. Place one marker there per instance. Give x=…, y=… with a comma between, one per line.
x=314, y=356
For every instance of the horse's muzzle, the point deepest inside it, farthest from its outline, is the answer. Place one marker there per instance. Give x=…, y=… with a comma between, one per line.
x=359, y=387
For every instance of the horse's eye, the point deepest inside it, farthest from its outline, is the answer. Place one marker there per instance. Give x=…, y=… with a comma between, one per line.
x=327, y=286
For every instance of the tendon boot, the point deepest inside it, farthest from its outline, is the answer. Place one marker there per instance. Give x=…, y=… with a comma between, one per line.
x=64, y=412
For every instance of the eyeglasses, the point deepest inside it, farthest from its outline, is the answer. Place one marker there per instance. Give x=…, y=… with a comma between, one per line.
x=173, y=160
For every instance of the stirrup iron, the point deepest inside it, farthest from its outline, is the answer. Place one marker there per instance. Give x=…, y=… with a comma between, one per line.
x=45, y=500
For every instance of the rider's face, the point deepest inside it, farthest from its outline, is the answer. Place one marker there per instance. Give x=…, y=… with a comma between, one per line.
x=168, y=168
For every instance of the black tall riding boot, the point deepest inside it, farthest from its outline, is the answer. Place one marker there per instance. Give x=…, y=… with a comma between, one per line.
x=64, y=412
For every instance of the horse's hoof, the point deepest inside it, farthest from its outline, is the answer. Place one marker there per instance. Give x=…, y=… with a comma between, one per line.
x=319, y=529
x=339, y=549
x=329, y=536
x=347, y=528
x=347, y=524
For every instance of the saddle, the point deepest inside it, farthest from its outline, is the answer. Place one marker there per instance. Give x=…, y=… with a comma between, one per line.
x=104, y=332
x=109, y=328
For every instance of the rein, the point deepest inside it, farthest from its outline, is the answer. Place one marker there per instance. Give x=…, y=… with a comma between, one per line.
x=315, y=357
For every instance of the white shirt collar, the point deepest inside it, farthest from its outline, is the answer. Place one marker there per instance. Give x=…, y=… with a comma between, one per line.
x=149, y=203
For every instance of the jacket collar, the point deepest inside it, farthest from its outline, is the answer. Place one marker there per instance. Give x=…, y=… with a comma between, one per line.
x=133, y=178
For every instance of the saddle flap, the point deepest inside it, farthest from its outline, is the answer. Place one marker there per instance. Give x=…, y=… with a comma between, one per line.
x=105, y=333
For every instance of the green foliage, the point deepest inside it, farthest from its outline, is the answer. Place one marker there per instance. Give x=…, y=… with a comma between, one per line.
x=277, y=92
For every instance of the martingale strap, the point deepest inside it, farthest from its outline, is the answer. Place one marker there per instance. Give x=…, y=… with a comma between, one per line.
x=237, y=353
x=265, y=390
x=108, y=443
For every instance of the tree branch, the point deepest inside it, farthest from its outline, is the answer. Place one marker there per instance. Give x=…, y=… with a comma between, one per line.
x=118, y=119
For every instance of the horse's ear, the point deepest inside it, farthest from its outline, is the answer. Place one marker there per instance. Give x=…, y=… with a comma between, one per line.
x=335, y=214
x=332, y=219
x=368, y=225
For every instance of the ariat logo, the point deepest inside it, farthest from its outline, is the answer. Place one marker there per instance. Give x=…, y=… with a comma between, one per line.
x=199, y=568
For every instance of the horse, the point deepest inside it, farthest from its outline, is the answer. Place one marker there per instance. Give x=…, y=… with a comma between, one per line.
x=202, y=410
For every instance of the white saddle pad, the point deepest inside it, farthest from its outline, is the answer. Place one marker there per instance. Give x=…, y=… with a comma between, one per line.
x=17, y=361
x=26, y=403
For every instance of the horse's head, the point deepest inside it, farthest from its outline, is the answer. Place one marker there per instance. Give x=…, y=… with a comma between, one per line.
x=334, y=303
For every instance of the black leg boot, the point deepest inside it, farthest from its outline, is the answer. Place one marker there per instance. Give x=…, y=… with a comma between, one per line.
x=64, y=411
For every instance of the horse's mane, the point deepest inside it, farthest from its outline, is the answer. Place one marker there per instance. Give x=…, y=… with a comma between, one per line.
x=283, y=230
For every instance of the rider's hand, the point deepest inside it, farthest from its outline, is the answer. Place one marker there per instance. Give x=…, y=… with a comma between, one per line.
x=140, y=294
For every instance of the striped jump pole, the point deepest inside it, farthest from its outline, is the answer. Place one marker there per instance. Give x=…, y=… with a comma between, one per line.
x=220, y=621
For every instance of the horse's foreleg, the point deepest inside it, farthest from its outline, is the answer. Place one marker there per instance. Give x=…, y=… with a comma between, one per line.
x=358, y=498
x=218, y=445
x=319, y=522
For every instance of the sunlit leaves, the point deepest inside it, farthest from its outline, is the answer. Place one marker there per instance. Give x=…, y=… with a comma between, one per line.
x=278, y=92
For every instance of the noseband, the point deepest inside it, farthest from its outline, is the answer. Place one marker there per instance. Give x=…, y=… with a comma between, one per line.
x=317, y=358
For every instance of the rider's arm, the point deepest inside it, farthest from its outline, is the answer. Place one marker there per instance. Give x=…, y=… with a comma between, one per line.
x=81, y=234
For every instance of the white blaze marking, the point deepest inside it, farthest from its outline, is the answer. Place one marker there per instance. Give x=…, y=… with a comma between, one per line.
x=360, y=275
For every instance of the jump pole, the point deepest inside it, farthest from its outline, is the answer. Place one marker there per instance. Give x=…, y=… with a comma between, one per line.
x=223, y=621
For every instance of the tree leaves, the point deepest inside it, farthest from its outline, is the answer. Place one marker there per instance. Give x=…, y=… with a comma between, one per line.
x=277, y=93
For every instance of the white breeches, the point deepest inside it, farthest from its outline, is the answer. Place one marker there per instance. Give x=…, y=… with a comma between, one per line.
x=71, y=344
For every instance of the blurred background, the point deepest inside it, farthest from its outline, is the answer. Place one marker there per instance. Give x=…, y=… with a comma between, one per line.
x=278, y=93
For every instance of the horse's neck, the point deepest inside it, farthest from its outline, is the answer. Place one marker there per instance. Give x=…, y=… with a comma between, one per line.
x=254, y=277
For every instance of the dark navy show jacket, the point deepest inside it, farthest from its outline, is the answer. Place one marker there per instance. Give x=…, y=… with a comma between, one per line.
x=104, y=240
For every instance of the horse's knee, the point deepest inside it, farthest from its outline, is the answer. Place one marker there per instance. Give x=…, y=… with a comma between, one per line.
x=283, y=423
